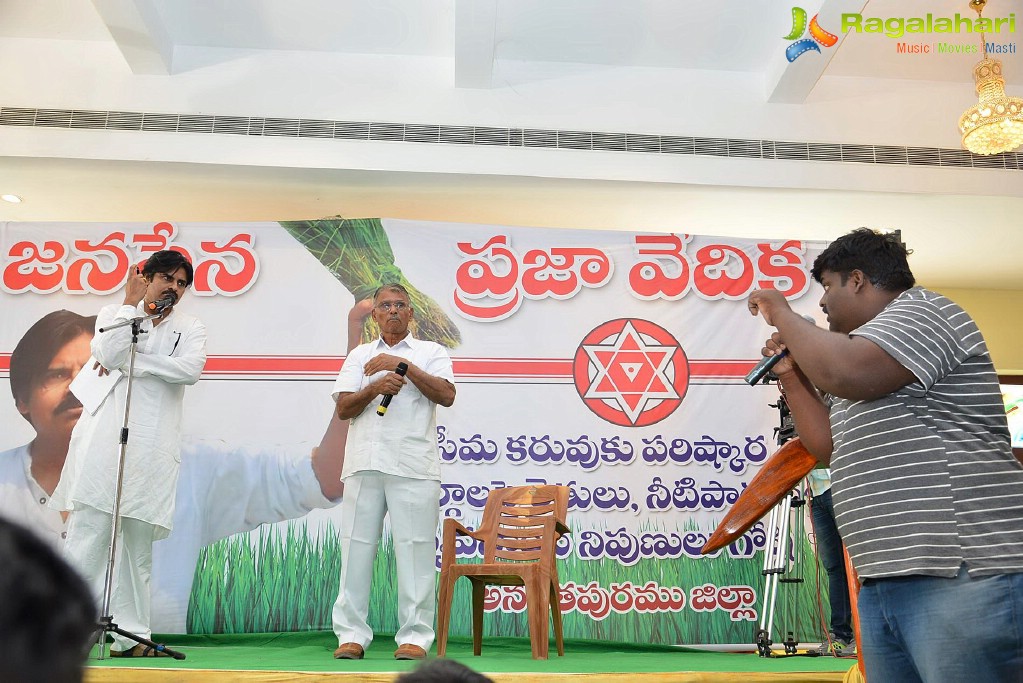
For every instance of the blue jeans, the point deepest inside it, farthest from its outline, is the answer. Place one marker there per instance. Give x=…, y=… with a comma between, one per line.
x=925, y=628
x=829, y=551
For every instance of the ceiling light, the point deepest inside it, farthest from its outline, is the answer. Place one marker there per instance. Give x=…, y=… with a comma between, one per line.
x=995, y=124
x=12, y=198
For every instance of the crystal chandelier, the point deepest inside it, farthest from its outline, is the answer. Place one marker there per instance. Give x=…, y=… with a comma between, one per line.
x=995, y=124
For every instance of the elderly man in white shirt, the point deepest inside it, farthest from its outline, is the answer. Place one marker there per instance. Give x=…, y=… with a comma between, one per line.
x=392, y=468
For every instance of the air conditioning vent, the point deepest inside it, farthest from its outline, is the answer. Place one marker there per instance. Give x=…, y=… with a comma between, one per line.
x=574, y=139
x=792, y=150
x=539, y=138
x=88, y=119
x=749, y=149
x=717, y=147
x=923, y=156
x=126, y=120
x=394, y=132
x=456, y=135
x=281, y=127
x=954, y=157
x=162, y=122
x=81, y=119
x=231, y=125
x=418, y=133
x=16, y=116
x=643, y=143
x=672, y=144
x=351, y=130
x=188, y=123
x=611, y=142
x=857, y=154
x=491, y=136
x=885, y=154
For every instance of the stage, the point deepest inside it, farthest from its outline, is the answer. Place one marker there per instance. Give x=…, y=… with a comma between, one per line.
x=308, y=657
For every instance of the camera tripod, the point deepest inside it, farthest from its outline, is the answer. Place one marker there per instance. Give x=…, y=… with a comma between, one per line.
x=782, y=565
x=782, y=556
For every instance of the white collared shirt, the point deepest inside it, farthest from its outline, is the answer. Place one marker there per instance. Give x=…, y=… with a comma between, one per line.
x=23, y=500
x=403, y=442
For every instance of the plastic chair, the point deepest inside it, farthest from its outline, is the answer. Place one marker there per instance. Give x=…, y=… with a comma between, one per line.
x=519, y=531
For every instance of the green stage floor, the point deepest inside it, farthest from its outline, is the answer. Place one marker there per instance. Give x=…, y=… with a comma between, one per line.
x=313, y=652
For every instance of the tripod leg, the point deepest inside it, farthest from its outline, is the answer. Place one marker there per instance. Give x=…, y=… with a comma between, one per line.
x=158, y=647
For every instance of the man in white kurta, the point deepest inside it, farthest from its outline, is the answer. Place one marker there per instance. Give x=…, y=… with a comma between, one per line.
x=392, y=467
x=171, y=353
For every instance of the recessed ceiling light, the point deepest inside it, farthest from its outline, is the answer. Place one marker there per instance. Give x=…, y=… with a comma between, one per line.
x=12, y=198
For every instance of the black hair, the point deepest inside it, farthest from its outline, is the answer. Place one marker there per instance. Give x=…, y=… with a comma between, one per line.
x=442, y=671
x=167, y=261
x=46, y=605
x=32, y=356
x=882, y=257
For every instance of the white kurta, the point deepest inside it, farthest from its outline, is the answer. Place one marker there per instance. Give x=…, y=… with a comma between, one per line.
x=169, y=357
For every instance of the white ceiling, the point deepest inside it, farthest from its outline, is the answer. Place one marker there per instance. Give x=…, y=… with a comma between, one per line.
x=657, y=67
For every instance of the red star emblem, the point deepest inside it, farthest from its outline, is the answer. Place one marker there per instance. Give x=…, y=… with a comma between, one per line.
x=631, y=372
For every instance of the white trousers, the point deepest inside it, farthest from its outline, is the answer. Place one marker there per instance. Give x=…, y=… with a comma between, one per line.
x=413, y=506
x=87, y=549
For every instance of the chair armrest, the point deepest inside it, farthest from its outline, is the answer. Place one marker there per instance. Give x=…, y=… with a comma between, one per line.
x=450, y=529
x=458, y=528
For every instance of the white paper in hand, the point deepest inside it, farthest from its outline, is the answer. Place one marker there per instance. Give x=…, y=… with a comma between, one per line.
x=92, y=388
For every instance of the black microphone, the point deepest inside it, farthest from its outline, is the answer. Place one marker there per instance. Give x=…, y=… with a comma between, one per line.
x=160, y=305
x=768, y=362
x=386, y=400
x=764, y=367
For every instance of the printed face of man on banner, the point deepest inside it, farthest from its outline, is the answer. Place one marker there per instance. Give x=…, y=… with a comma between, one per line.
x=47, y=358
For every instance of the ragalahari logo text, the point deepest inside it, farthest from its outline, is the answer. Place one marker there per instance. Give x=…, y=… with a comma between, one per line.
x=631, y=372
x=818, y=36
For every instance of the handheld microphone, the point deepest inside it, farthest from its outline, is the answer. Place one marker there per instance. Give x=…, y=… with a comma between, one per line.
x=764, y=367
x=768, y=362
x=386, y=400
x=160, y=305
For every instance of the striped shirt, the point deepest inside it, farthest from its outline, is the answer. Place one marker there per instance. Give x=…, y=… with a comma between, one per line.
x=923, y=478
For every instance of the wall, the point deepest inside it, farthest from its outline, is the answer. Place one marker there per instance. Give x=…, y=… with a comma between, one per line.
x=997, y=313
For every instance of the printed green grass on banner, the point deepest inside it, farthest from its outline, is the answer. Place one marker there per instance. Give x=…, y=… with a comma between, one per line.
x=287, y=581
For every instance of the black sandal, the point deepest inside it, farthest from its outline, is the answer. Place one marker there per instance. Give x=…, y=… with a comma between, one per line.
x=139, y=650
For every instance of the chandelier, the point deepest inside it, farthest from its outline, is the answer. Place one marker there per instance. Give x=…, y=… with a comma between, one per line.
x=995, y=124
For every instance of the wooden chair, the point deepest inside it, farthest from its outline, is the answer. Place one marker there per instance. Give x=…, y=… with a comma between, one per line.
x=519, y=530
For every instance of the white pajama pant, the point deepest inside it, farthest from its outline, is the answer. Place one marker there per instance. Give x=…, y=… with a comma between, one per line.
x=413, y=506
x=87, y=549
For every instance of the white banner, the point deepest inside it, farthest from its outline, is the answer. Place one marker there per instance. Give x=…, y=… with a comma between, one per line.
x=609, y=361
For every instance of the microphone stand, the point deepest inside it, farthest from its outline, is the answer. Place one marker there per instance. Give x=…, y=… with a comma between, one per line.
x=106, y=620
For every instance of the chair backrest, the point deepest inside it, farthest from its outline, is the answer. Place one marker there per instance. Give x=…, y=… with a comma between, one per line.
x=512, y=521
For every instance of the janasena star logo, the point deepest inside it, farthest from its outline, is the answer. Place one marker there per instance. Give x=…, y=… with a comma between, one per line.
x=631, y=372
